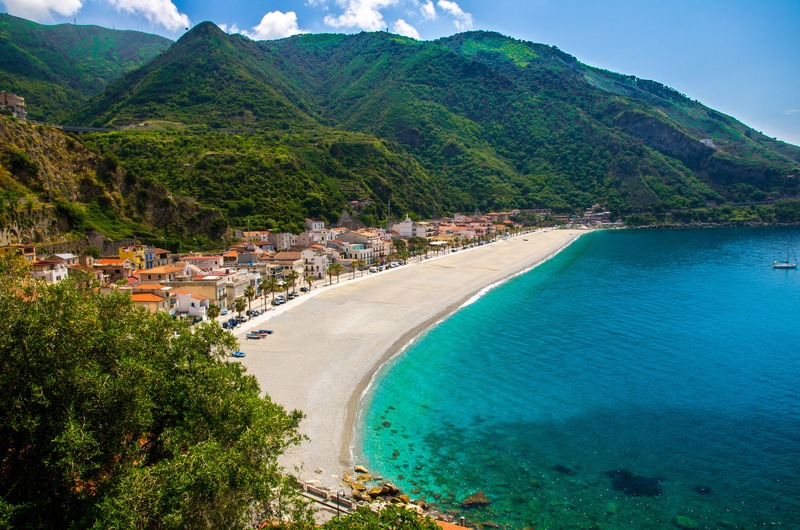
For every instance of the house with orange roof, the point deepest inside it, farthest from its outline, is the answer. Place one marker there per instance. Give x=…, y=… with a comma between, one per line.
x=91, y=273
x=289, y=261
x=165, y=273
x=211, y=287
x=114, y=268
x=150, y=301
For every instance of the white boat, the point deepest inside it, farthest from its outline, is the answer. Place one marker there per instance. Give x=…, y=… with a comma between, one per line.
x=786, y=264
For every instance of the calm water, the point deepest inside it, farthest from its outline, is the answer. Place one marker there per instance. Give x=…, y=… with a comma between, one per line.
x=640, y=379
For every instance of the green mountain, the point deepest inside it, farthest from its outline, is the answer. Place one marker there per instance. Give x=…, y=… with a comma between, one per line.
x=271, y=132
x=57, y=68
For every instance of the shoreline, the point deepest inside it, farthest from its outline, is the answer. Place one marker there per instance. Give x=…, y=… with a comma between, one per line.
x=330, y=344
x=361, y=391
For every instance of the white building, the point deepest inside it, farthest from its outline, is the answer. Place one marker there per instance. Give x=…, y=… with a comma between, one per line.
x=49, y=271
x=316, y=262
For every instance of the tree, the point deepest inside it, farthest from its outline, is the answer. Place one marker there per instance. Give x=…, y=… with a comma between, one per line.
x=238, y=305
x=390, y=517
x=292, y=277
x=360, y=263
x=269, y=284
x=213, y=311
x=113, y=417
x=249, y=293
x=334, y=268
x=352, y=267
x=309, y=279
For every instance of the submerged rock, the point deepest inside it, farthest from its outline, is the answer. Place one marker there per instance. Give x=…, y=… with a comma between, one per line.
x=476, y=500
x=703, y=490
x=634, y=485
x=564, y=470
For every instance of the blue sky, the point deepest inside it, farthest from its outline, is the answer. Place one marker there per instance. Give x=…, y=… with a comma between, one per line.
x=741, y=57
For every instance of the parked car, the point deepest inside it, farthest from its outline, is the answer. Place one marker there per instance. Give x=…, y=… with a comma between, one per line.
x=223, y=312
x=294, y=294
x=241, y=319
x=304, y=289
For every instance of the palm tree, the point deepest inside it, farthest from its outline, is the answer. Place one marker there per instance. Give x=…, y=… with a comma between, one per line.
x=361, y=264
x=212, y=312
x=330, y=272
x=352, y=267
x=292, y=277
x=249, y=293
x=309, y=279
x=268, y=284
x=337, y=270
x=239, y=304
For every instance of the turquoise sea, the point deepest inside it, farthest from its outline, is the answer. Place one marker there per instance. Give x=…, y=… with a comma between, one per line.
x=639, y=379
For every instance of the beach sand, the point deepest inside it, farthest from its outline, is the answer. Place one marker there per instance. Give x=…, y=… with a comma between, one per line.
x=328, y=344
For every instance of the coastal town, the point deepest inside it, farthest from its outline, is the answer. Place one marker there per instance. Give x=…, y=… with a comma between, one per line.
x=262, y=268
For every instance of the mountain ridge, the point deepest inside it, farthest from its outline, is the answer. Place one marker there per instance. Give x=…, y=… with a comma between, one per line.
x=478, y=119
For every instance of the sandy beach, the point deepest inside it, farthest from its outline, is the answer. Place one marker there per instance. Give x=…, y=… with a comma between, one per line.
x=328, y=343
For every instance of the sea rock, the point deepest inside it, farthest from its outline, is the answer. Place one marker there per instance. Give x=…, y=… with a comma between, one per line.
x=476, y=500
x=405, y=498
x=415, y=508
x=359, y=495
x=347, y=478
x=375, y=492
x=360, y=469
x=359, y=486
x=364, y=477
x=390, y=489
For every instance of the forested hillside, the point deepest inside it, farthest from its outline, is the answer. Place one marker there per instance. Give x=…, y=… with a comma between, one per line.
x=271, y=132
x=57, y=68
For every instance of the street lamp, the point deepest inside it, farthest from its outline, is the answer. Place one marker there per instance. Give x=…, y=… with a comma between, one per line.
x=339, y=494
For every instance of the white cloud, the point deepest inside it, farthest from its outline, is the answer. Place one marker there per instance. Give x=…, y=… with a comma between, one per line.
x=275, y=25
x=229, y=29
x=428, y=11
x=360, y=14
x=160, y=12
x=42, y=10
x=462, y=20
x=401, y=27
x=791, y=112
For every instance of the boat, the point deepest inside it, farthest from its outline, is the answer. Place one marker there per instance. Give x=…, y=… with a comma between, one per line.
x=238, y=354
x=255, y=335
x=265, y=331
x=786, y=264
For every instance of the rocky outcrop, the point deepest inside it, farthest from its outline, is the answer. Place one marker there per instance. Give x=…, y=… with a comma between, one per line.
x=476, y=500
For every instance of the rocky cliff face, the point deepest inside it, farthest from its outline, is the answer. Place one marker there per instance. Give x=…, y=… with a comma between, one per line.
x=51, y=184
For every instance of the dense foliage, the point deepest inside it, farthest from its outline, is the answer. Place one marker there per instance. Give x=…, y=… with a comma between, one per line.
x=116, y=418
x=389, y=518
x=57, y=68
